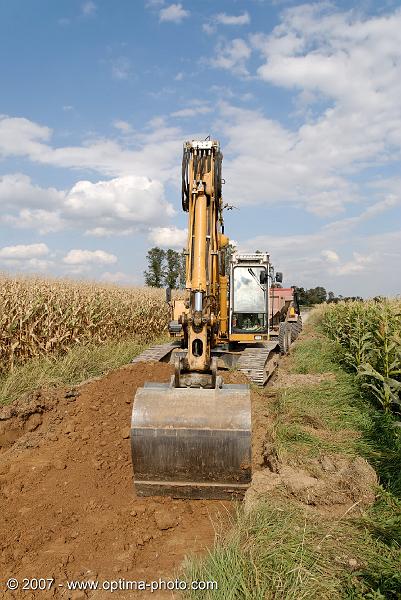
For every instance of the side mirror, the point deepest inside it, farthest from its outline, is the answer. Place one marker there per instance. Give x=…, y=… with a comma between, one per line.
x=168, y=294
x=263, y=277
x=279, y=277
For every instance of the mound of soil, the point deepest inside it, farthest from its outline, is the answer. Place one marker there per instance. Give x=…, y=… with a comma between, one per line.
x=67, y=501
x=330, y=483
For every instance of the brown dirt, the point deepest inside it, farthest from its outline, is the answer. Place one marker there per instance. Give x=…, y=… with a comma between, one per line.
x=67, y=501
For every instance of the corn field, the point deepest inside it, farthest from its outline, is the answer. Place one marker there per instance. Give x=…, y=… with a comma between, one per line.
x=40, y=317
x=369, y=334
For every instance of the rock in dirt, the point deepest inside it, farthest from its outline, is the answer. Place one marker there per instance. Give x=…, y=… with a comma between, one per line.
x=165, y=519
x=6, y=413
x=33, y=422
x=72, y=394
x=125, y=433
x=59, y=465
x=263, y=482
x=270, y=457
x=297, y=481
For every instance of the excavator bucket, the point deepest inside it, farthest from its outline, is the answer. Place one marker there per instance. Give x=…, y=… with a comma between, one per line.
x=191, y=442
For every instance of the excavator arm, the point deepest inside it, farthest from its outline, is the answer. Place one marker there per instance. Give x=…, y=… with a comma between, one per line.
x=192, y=437
x=201, y=198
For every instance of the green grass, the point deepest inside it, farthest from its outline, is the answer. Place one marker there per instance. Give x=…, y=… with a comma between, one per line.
x=80, y=363
x=293, y=439
x=280, y=551
x=334, y=405
x=285, y=553
x=308, y=357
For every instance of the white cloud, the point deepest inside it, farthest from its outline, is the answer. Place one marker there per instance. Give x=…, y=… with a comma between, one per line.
x=208, y=28
x=191, y=111
x=351, y=66
x=232, y=56
x=25, y=205
x=88, y=8
x=330, y=256
x=23, y=252
x=122, y=126
x=17, y=189
x=388, y=200
x=116, y=204
x=350, y=62
x=79, y=257
x=357, y=264
x=156, y=154
x=168, y=237
x=174, y=13
x=19, y=136
x=25, y=257
x=118, y=277
x=369, y=269
x=43, y=221
x=225, y=19
x=265, y=163
x=119, y=230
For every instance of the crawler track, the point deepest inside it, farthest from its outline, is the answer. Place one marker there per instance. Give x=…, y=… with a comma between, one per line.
x=258, y=364
x=156, y=353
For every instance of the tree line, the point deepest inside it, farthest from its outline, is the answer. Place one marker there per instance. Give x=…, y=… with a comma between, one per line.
x=318, y=295
x=166, y=268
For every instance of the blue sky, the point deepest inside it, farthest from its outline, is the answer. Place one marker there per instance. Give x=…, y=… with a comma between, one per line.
x=97, y=97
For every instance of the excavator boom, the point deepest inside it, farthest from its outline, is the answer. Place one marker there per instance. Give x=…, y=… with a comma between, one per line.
x=192, y=437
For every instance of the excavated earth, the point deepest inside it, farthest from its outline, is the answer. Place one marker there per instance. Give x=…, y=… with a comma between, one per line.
x=67, y=504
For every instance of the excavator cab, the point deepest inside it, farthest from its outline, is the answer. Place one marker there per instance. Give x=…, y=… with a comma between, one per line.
x=191, y=438
x=250, y=282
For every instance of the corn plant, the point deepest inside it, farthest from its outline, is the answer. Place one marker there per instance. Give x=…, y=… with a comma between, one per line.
x=43, y=316
x=369, y=334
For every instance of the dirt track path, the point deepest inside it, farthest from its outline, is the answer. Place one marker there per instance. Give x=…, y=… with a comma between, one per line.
x=67, y=502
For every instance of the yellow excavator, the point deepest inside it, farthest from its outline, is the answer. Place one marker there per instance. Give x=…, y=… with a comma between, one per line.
x=191, y=438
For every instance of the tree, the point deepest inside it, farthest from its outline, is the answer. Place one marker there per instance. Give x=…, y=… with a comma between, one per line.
x=155, y=274
x=315, y=295
x=173, y=267
x=302, y=295
x=182, y=276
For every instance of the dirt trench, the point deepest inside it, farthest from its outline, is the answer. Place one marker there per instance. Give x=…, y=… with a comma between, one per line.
x=67, y=504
